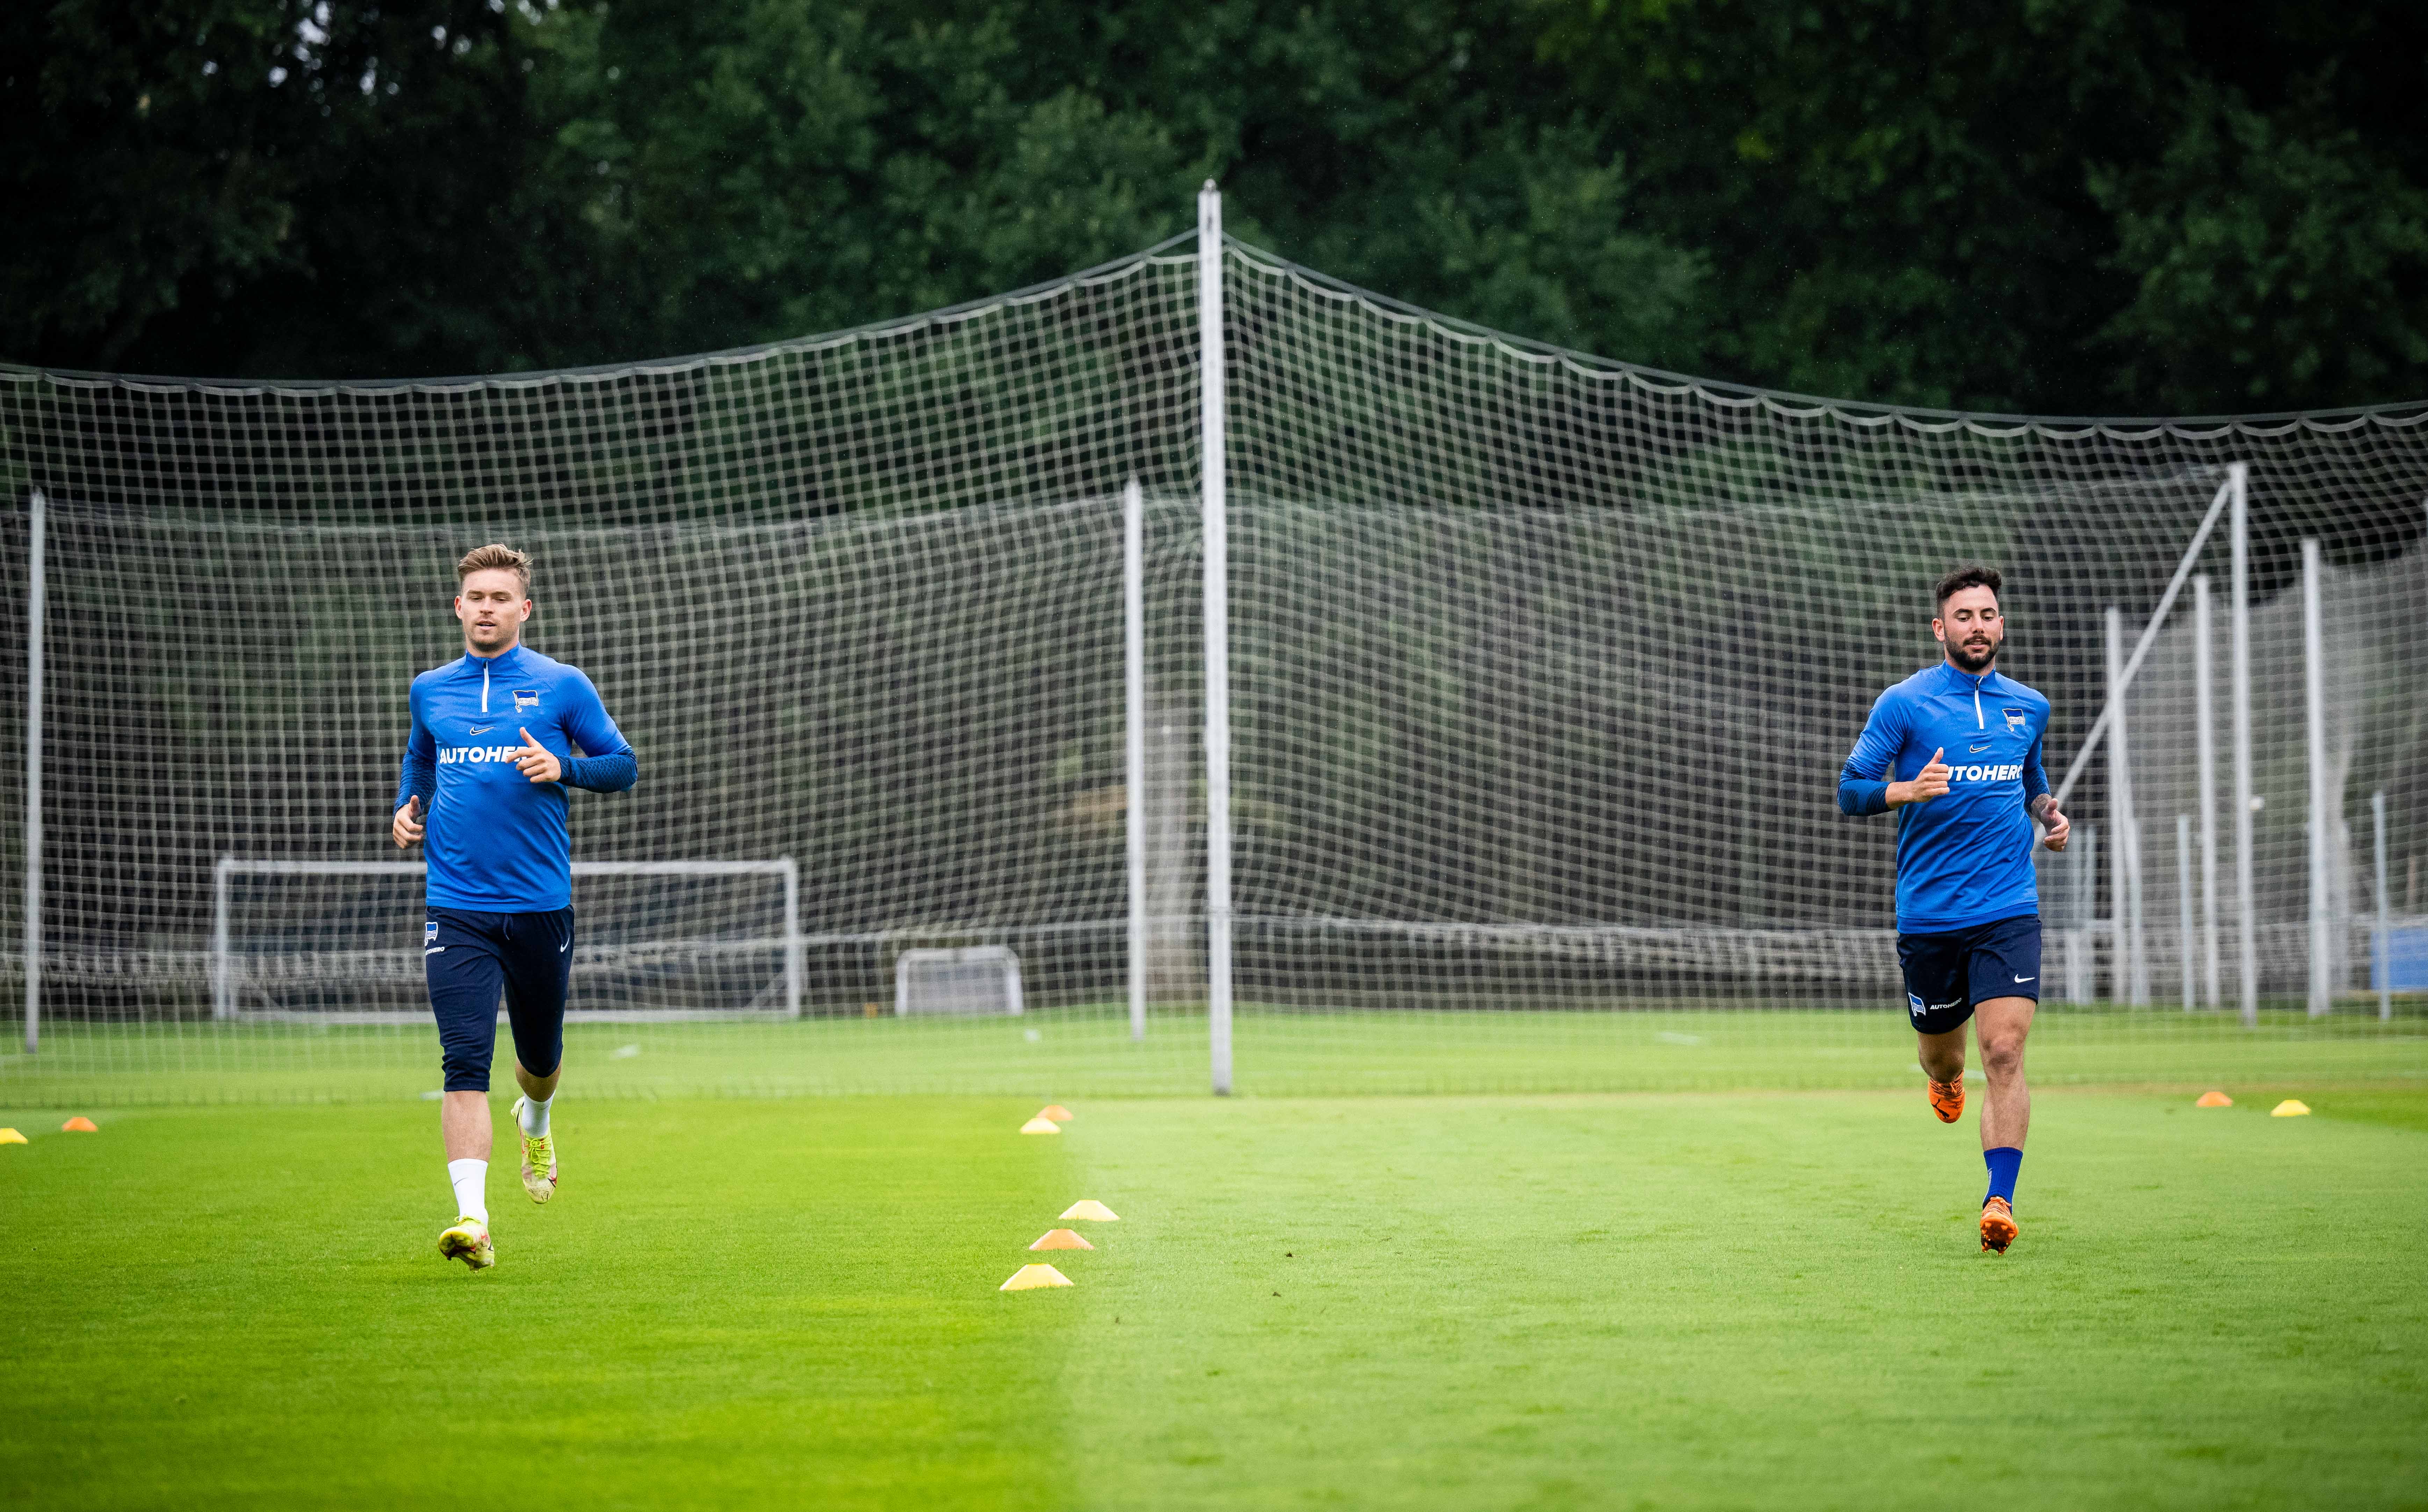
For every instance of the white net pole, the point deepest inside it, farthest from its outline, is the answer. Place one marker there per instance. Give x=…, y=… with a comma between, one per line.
x=1212, y=459
x=1134, y=716
x=2246, y=922
x=2325, y=805
x=2125, y=888
x=794, y=963
x=2205, y=739
x=2380, y=955
x=2187, y=940
x=37, y=595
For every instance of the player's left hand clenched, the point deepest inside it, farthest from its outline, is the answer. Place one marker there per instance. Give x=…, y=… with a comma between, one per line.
x=534, y=761
x=2059, y=827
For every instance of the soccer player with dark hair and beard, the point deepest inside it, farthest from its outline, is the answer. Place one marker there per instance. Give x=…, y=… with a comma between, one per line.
x=1967, y=905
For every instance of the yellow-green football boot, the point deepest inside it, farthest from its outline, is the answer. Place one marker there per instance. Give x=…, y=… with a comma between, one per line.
x=468, y=1242
x=539, y=1159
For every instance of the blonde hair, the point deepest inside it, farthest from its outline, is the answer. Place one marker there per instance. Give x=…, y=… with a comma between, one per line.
x=488, y=558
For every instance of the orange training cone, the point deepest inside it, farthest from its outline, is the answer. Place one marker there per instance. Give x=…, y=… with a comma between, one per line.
x=1030, y=1277
x=81, y=1124
x=1061, y=1238
x=2214, y=1099
x=1093, y=1209
x=1054, y=1111
x=1041, y=1125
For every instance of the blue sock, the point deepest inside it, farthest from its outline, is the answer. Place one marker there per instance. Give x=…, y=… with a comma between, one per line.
x=2004, y=1162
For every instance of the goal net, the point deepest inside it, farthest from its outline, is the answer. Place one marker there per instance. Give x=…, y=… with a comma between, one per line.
x=341, y=942
x=1542, y=670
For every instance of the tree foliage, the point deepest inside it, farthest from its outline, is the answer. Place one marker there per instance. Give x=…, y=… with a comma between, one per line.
x=2056, y=205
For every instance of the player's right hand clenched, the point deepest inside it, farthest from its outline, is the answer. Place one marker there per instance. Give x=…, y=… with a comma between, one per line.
x=408, y=826
x=1931, y=783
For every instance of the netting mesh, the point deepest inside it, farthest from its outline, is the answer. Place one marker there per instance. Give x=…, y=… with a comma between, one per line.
x=1542, y=668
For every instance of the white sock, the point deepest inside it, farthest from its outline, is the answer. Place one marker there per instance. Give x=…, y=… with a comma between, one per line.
x=471, y=1182
x=533, y=1121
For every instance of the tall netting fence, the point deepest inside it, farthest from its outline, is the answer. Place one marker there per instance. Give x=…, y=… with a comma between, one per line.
x=1542, y=671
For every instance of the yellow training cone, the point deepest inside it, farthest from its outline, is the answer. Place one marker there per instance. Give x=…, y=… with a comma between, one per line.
x=2214, y=1099
x=81, y=1124
x=2290, y=1107
x=1054, y=1111
x=10, y=1136
x=1030, y=1277
x=1092, y=1209
x=1061, y=1238
x=1041, y=1125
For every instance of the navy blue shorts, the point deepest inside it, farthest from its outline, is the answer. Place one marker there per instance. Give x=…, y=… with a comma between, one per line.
x=1945, y=974
x=470, y=958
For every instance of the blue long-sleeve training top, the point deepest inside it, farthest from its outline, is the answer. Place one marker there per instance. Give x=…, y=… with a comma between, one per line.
x=497, y=840
x=1965, y=857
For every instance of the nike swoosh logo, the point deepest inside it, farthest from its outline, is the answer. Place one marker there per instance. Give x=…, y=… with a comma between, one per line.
x=433, y=951
x=2026, y=978
x=483, y=729
x=568, y=945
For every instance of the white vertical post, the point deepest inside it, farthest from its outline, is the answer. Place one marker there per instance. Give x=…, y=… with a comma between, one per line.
x=2083, y=939
x=2204, y=738
x=1213, y=464
x=1133, y=727
x=793, y=972
x=223, y=958
x=2126, y=903
x=2381, y=957
x=2314, y=711
x=2190, y=938
x=35, y=595
x=2138, y=940
x=2239, y=606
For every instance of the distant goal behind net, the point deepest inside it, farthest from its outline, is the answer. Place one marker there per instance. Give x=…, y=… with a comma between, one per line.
x=340, y=941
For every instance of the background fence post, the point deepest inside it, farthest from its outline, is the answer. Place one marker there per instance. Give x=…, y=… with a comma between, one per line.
x=2381, y=954
x=1134, y=739
x=2323, y=819
x=2204, y=741
x=1213, y=464
x=35, y=593
x=2190, y=939
x=2247, y=942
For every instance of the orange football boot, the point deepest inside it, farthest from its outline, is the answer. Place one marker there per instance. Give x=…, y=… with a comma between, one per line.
x=1948, y=1099
x=1997, y=1225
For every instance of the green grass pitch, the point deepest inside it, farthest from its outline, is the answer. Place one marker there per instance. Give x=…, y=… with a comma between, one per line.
x=1634, y=1300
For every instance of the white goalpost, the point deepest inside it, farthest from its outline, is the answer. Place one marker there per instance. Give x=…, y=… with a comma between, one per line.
x=289, y=952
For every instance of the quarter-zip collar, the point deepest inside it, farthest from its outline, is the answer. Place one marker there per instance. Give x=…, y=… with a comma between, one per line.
x=492, y=668
x=1975, y=684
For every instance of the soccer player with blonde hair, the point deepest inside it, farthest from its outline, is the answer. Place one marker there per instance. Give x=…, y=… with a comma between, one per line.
x=490, y=814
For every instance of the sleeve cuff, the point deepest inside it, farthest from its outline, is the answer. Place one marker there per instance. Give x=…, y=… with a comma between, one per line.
x=1859, y=798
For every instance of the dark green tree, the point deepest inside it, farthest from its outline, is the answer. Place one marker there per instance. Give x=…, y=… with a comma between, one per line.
x=2055, y=206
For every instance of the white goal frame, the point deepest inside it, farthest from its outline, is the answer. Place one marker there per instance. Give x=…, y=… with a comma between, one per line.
x=226, y=976
x=997, y=956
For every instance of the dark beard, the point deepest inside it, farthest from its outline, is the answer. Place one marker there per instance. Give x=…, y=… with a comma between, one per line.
x=1966, y=662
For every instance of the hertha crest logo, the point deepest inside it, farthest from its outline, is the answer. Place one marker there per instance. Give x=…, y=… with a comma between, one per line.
x=526, y=698
x=2014, y=719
